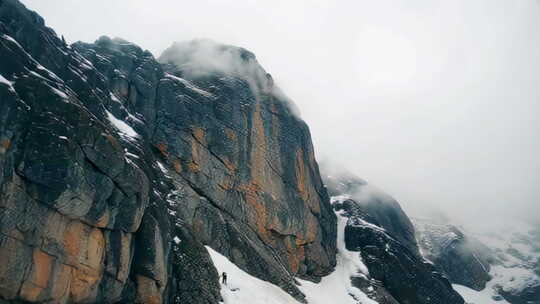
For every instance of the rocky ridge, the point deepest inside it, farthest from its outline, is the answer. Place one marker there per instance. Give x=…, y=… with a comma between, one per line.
x=117, y=169
x=384, y=236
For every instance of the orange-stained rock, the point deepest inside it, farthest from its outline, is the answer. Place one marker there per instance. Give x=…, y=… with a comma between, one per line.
x=260, y=218
x=124, y=265
x=73, y=236
x=258, y=154
x=95, y=247
x=230, y=165
x=301, y=175
x=4, y=145
x=226, y=184
x=61, y=281
x=84, y=283
x=295, y=253
x=177, y=165
x=199, y=134
x=148, y=291
x=84, y=249
x=193, y=166
x=303, y=183
x=162, y=147
x=39, y=278
x=230, y=134
x=103, y=221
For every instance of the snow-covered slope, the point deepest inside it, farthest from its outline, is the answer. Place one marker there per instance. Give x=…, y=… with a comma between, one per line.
x=243, y=288
x=515, y=265
x=335, y=288
x=485, y=296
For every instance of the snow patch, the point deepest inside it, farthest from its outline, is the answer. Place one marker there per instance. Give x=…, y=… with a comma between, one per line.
x=514, y=247
x=485, y=296
x=336, y=287
x=3, y=80
x=114, y=98
x=243, y=288
x=190, y=86
x=162, y=167
x=51, y=74
x=7, y=37
x=58, y=92
x=123, y=127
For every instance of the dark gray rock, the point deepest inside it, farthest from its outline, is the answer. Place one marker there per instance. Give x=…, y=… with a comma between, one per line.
x=378, y=228
x=464, y=260
x=373, y=289
x=383, y=210
x=403, y=273
x=105, y=153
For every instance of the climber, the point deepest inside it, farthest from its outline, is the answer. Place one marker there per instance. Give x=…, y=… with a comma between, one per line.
x=224, y=278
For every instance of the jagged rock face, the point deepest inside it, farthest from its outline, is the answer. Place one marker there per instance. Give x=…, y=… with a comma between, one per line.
x=380, y=230
x=404, y=274
x=374, y=290
x=251, y=157
x=107, y=157
x=464, y=260
x=383, y=210
x=245, y=175
x=76, y=207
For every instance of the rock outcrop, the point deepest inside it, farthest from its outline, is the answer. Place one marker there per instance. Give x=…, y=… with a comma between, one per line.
x=116, y=170
x=378, y=228
x=464, y=260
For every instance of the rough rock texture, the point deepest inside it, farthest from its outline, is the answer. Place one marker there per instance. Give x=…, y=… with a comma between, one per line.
x=108, y=156
x=384, y=210
x=378, y=228
x=373, y=289
x=403, y=273
x=464, y=260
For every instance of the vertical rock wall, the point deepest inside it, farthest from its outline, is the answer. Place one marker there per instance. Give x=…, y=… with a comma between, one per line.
x=107, y=157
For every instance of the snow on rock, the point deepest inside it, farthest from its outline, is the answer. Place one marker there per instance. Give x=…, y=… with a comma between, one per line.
x=123, y=127
x=4, y=81
x=58, y=92
x=189, y=85
x=243, y=288
x=485, y=296
x=114, y=98
x=516, y=252
x=337, y=288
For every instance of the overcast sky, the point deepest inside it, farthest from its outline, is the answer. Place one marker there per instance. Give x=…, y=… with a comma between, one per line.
x=435, y=102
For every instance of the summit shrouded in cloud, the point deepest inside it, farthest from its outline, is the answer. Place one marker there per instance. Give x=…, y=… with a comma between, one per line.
x=168, y=166
x=435, y=102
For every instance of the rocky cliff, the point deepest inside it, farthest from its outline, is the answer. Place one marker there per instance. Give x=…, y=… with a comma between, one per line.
x=465, y=260
x=117, y=169
x=120, y=172
x=384, y=236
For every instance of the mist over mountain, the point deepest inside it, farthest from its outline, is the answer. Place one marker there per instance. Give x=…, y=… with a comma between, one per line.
x=442, y=96
x=357, y=154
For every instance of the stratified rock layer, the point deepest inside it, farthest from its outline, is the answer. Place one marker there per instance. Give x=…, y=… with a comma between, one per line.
x=116, y=170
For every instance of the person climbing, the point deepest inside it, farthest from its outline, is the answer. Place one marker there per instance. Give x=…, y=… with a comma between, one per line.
x=224, y=278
